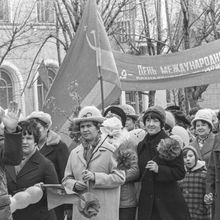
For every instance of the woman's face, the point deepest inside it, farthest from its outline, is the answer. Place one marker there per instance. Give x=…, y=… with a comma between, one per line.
x=202, y=128
x=88, y=130
x=152, y=125
x=130, y=124
x=189, y=159
x=28, y=144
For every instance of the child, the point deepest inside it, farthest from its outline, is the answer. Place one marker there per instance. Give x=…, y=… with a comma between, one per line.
x=193, y=185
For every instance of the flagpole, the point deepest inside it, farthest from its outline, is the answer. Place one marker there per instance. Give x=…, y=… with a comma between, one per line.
x=99, y=61
x=102, y=88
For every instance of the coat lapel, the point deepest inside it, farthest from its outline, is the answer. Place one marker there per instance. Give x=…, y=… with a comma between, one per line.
x=80, y=155
x=208, y=144
x=45, y=150
x=11, y=172
x=31, y=164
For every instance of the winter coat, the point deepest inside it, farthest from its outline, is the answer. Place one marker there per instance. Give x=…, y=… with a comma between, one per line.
x=213, y=176
x=107, y=182
x=193, y=188
x=37, y=169
x=160, y=196
x=205, y=152
x=57, y=152
x=128, y=192
x=10, y=154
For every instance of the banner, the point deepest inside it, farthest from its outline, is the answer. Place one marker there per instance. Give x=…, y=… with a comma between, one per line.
x=192, y=67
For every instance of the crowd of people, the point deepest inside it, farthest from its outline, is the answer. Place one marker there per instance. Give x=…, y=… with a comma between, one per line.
x=173, y=174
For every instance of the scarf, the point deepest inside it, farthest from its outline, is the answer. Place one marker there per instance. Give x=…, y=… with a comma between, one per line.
x=89, y=147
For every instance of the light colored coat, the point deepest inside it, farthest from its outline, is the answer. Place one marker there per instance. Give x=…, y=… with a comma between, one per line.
x=107, y=179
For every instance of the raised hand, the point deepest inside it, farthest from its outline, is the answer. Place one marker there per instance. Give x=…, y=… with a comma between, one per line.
x=10, y=120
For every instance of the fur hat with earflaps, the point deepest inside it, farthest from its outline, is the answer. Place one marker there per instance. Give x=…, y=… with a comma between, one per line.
x=89, y=113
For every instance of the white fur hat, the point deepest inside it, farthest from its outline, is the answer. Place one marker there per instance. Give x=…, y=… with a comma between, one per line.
x=43, y=116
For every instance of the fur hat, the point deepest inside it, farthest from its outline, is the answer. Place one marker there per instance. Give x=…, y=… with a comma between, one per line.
x=129, y=111
x=43, y=116
x=182, y=132
x=203, y=115
x=170, y=119
x=117, y=111
x=169, y=149
x=89, y=113
x=158, y=112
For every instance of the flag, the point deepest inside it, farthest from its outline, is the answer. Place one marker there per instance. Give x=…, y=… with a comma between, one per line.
x=89, y=51
x=56, y=196
x=43, y=74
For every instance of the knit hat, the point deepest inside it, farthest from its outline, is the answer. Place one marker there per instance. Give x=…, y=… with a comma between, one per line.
x=89, y=113
x=129, y=111
x=193, y=149
x=42, y=116
x=203, y=115
x=156, y=111
x=117, y=111
x=182, y=132
x=170, y=119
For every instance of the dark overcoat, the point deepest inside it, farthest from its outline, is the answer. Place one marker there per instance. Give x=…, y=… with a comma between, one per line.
x=213, y=176
x=58, y=153
x=10, y=154
x=37, y=169
x=160, y=196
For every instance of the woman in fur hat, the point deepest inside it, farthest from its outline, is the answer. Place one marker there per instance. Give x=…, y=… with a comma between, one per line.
x=160, y=196
x=193, y=185
x=92, y=167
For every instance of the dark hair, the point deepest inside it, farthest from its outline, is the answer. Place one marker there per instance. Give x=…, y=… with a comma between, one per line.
x=95, y=123
x=37, y=120
x=153, y=115
x=30, y=127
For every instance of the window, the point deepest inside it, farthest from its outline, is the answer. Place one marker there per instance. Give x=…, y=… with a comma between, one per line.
x=131, y=99
x=6, y=89
x=45, y=11
x=4, y=12
x=41, y=89
x=124, y=28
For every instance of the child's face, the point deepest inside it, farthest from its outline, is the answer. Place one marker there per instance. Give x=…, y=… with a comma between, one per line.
x=189, y=159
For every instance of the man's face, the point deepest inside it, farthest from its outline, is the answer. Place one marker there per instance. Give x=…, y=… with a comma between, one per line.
x=43, y=131
x=88, y=130
x=28, y=144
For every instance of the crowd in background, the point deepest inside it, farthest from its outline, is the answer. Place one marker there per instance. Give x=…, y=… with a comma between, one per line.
x=174, y=173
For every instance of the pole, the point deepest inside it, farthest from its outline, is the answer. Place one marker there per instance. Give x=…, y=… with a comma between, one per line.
x=102, y=89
